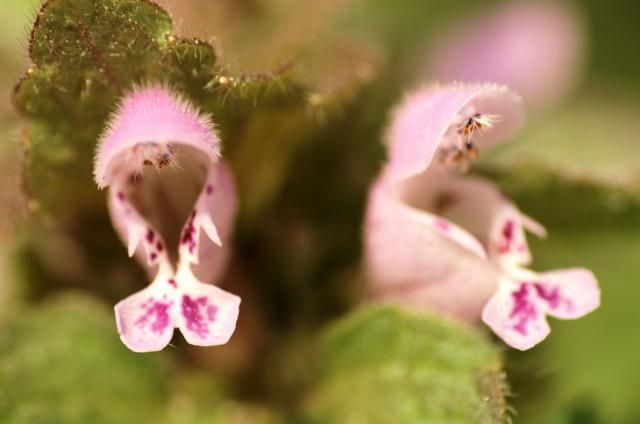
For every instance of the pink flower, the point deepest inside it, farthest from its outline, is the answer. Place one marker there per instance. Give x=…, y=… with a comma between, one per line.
x=437, y=240
x=536, y=47
x=172, y=201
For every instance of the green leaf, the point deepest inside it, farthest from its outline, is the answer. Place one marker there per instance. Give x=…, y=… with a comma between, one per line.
x=63, y=362
x=579, y=142
x=197, y=398
x=559, y=201
x=574, y=169
x=382, y=365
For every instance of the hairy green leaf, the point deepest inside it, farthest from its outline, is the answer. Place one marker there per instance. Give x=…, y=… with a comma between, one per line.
x=383, y=365
x=63, y=363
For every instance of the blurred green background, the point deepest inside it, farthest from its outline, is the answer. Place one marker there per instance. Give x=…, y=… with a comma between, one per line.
x=575, y=168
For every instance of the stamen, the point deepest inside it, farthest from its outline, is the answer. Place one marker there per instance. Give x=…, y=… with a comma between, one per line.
x=152, y=154
x=476, y=122
x=460, y=150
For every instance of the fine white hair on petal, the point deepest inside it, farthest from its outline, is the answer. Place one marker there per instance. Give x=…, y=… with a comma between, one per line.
x=157, y=115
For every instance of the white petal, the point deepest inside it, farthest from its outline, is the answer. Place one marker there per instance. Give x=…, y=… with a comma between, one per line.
x=146, y=319
x=206, y=314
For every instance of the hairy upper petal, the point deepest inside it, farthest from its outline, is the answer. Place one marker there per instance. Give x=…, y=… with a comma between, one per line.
x=421, y=121
x=151, y=115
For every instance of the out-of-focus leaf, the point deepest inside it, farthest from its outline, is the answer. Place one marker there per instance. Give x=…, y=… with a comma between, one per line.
x=594, y=139
x=567, y=202
x=383, y=365
x=63, y=363
x=199, y=399
x=611, y=26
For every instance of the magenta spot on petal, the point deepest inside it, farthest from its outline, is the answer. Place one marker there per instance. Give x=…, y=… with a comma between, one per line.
x=121, y=196
x=212, y=310
x=159, y=246
x=155, y=313
x=173, y=282
x=443, y=225
x=507, y=236
x=150, y=235
x=209, y=189
x=192, y=310
x=189, y=232
x=153, y=256
x=552, y=296
x=523, y=310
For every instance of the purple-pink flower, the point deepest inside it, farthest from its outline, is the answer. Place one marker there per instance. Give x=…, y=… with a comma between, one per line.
x=453, y=244
x=535, y=47
x=172, y=202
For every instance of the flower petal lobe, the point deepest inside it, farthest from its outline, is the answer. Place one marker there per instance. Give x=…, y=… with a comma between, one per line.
x=146, y=319
x=207, y=315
